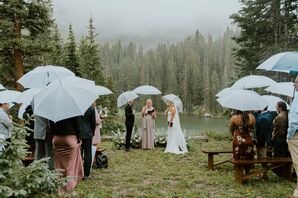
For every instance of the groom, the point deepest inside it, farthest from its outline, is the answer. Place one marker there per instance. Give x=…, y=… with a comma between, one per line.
x=129, y=123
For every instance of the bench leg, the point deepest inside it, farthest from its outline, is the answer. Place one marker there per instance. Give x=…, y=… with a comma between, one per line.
x=210, y=161
x=238, y=172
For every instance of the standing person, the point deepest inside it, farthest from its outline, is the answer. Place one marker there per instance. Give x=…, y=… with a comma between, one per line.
x=29, y=122
x=149, y=115
x=242, y=125
x=279, y=136
x=43, y=140
x=175, y=141
x=66, y=142
x=129, y=123
x=87, y=129
x=5, y=121
x=292, y=136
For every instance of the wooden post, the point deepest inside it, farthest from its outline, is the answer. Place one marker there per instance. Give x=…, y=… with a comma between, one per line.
x=210, y=161
x=238, y=171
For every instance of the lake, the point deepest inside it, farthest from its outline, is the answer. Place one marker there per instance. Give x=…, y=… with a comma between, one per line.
x=192, y=124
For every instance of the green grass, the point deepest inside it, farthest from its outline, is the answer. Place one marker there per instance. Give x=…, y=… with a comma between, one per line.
x=153, y=173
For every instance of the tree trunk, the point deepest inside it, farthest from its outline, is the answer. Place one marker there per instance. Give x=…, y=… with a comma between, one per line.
x=18, y=54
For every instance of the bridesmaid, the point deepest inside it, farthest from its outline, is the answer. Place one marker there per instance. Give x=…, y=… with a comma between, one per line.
x=149, y=115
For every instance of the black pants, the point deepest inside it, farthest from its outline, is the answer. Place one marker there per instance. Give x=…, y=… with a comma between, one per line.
x=128, y=136
x=87, y=155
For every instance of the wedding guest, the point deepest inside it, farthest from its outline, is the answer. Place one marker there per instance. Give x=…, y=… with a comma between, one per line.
x=29, y=123
x=43, y=140
x=66, y=142
x=148, y=116
x=5, y=121
x=292, y=136
x=241, y=127
x=129, y=123
x=279, y=136
x=87, y=129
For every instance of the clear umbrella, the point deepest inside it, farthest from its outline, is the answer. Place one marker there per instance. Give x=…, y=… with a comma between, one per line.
x=282, y=88
x=125, y=97
x=224, y=91
x=282, y=62
x=61, y=100
x=8, y=96
x=147, y=90
x=175, y=99
x=253, y=81
x=41, y=76
x=103, y=90
x=243, y=100
x=273, y=100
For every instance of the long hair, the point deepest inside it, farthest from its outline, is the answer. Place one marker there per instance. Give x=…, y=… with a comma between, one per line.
x=282, y=105
x=245, y=120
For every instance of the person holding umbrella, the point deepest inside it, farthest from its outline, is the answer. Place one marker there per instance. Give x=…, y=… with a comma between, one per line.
x=149, y=115
x=5, y=121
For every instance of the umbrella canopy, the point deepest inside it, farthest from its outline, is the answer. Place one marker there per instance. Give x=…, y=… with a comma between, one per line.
x=101, y=91
x=8, y=96
x=283, y=62
x=224, y=91
x=61, y=100
x=147, y=90
x=42, y=75
x=125, y=97
x=243, y=100
x=282, y=88
x=2, y=87
x=273, y=100
x=175, y=99
x=253, y=81
x=27, y=96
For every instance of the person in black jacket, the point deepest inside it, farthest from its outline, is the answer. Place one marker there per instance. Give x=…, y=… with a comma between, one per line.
x=87, y=128
x=129, y=123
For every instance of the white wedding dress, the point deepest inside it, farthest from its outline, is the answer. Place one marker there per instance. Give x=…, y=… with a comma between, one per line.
x=175, y=141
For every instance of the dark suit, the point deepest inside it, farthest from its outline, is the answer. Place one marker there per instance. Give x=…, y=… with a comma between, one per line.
x=87, y=129
x=129, y=123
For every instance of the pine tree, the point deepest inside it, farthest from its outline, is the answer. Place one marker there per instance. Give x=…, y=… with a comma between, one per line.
x=71, y=59
x=90, y=57
x=21, y=23
x=56, y=56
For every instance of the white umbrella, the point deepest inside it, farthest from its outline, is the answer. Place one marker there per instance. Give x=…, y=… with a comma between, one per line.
x=42, y=75
x=8, y=96
x=61, y=100
x=103, y=90
x=224, y=91
x=243, y=100
x=253, y=81
x=22, y=110
x=273, y=100
x=282, y=62
x=147, y=90
x=26, y=96
x=2, y=87
x=282, y=88
x=175, y=99
x=125, y=97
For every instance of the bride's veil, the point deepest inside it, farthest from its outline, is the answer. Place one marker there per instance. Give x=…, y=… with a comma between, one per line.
x=177, y=126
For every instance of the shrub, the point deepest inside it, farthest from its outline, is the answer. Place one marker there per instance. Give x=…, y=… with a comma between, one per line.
x=16, y=180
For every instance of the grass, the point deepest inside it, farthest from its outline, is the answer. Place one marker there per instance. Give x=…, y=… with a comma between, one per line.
x=153, y=173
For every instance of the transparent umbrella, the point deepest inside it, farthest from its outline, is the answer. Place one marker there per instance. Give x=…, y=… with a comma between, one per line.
x=147, y=90
x=125, y=97
x=175, y=99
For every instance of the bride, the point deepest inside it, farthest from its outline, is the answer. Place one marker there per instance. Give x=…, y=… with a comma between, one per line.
x=175, y=140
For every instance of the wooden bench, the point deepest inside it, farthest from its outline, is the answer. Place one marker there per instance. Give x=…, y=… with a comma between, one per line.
x=271, y=163
x=211, y=154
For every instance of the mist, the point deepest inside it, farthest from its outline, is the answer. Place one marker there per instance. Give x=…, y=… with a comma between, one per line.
x=145, y=22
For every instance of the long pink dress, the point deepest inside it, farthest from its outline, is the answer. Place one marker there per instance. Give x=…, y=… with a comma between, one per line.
x=148, y=131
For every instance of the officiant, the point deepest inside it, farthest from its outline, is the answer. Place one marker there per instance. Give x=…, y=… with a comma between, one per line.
x=148, y=116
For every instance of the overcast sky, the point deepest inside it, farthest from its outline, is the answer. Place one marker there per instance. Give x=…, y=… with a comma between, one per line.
x=145, y=21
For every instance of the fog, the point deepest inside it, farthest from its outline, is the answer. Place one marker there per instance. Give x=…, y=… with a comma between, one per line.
x=145, y=21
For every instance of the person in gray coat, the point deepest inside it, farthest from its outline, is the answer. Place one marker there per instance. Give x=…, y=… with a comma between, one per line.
x=43, y=140
x=5, y=121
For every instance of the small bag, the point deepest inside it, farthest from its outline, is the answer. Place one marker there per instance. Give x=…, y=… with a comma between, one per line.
x=101, y=160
